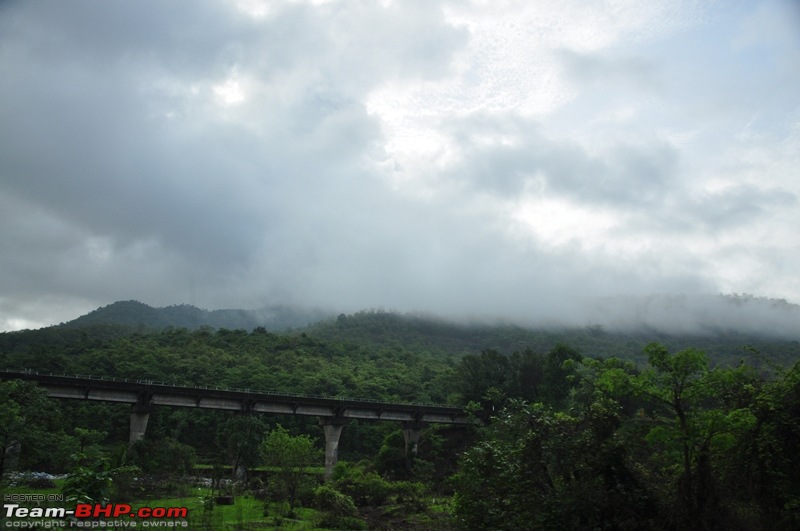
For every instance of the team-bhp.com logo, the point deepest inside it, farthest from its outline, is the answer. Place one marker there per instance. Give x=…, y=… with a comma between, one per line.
x=117, y=510
x=118, y=515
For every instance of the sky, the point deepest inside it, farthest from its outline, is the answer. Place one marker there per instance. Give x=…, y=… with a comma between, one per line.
x=515, y=159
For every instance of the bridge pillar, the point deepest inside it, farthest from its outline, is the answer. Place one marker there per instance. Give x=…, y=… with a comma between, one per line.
x=411, y=432
x=332, y=426
x=140, y=414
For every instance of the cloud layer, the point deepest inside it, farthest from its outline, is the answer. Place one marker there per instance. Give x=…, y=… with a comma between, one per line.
x=507, y=158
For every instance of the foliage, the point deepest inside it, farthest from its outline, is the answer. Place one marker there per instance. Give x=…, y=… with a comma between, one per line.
x=241, y=438
x=338, y=509
x=334, y=502
x=692, y=433
x=29, y=428
x=693, y=428
x=361, y=483
x=677, y=445
x=761, y=465
x=162, y=455
x=90, y=481
x=379, y=330
x=391, y=461
x=365, y=486
x=543, y=469
x=490, y=378
x=291, y=456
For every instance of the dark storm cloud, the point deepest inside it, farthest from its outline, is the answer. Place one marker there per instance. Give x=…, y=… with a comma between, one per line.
x=117, y=139
x=107, y=160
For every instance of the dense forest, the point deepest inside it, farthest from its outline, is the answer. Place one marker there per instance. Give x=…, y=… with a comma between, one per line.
x=574, y=429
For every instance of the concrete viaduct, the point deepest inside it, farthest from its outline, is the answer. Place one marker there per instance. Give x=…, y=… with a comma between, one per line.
x=333, y=413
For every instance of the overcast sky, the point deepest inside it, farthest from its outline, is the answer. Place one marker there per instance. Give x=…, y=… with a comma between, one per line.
x=510, y=158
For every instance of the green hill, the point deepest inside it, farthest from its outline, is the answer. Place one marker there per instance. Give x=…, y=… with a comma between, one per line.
x=139, y=315
x=380, y=330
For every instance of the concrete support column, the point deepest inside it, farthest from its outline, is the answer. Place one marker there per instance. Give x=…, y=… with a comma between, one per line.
x=140, y=414
x=332, y=426
x=411, y=432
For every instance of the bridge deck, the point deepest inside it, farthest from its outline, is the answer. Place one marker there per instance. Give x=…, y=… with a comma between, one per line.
x=150, y=393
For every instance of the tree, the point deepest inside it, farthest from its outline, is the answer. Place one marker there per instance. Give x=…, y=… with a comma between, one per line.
x=159, y=456
x=527, y=370
x=763, y=464
x=559, y=365
x=537, y=468
x=241, y=437
x=290, y=457
x=693, y=425
x=94, y=480
x=483, y=378
x=91, y=480
x=26, y=423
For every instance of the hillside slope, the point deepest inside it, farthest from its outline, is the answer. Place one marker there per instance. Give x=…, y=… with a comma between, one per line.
x=139, y=315
x=385, y=330
x=395, y=332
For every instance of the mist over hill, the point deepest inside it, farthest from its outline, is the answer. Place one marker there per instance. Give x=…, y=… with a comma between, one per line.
x=654, y=316
x=698, y=315
x=140, y=315
x=729, y=328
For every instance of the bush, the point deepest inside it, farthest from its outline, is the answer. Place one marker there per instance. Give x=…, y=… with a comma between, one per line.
x=165, y=456
x=391, y=460
x=407, y=490
x=334, y=502
x=366, y=488
x=338, y=509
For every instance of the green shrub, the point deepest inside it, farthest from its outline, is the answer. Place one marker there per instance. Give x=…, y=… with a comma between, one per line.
x=334, y=502
x=366, y=488
x=164, y=456
x=338, y=509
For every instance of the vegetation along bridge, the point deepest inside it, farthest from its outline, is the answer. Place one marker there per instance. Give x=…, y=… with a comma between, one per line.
x=334, y=413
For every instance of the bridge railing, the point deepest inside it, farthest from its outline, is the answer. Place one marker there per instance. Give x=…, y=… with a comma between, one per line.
x=145, y=381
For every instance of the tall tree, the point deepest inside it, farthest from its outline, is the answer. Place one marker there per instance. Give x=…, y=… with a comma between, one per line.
x=241, y=437
x=692, y=426
x=290, y=457
x=763, y=464
x=484, y=378
x=28, y=421
x=537, y=468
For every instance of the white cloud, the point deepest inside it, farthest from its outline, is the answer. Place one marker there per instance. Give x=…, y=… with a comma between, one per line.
x=476, y=157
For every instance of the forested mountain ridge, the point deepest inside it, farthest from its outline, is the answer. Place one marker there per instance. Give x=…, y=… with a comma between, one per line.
x=138, y=315
x=378, y=330
x=576, y=436
x=258, y=360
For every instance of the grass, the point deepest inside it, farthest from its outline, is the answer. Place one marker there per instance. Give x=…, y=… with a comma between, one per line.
x=245, y=513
